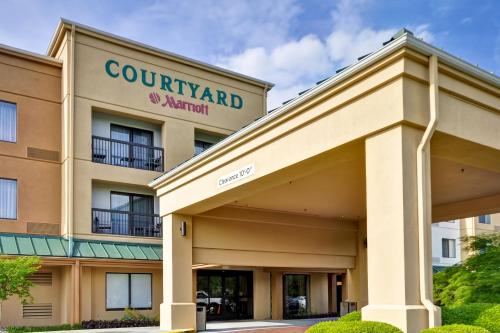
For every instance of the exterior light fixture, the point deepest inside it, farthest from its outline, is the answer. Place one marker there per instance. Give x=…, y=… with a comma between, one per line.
x=183, y=229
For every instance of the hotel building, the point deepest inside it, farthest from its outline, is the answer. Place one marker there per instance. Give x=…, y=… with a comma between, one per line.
x=149, y=180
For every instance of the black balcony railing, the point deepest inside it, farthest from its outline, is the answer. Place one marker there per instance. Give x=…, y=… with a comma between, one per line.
x=127, y=154
x=106, y=221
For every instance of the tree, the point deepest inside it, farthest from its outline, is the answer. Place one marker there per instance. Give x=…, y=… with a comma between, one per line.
x=476, y=279
x=14, y=281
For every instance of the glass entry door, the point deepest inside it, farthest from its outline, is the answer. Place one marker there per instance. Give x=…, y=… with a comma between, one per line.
x=226, y=294
x=295, y=295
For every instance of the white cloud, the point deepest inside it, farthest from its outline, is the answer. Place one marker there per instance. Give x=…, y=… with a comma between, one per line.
x=297, y=64
x=346, y=46
x=287, y=63
x=422, y=31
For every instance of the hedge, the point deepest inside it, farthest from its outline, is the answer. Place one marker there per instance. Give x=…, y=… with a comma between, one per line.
x=352, y=327
x=490, y=319
x=478, y=314
x=457, y=328
x=91, y=324
x=353, y=316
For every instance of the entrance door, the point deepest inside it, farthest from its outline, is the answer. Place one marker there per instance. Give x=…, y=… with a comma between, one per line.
x=226, y=294
x=295, y=296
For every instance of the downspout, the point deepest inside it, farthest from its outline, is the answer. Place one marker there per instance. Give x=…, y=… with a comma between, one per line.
x=69, y=217
x=424, y=198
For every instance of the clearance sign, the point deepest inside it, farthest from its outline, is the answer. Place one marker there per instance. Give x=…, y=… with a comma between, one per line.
x=203, y=95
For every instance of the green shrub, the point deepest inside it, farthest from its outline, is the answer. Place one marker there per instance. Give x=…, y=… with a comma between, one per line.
x=352, y=327
x=22, y=329
x=490, y=319
x=353, y=316
x=463, y=314
x=474, y=280
x=132, y=314
x=456, y=329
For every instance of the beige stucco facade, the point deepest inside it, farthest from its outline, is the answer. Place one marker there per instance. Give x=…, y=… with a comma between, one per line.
x=66, y=99
x=329, y=188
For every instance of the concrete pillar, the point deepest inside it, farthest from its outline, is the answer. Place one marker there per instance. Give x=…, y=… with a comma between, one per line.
x=356, y=279
x=319, y=293
x=261, y=295
x=277, y=295
x=392, y=230
x=178, y=312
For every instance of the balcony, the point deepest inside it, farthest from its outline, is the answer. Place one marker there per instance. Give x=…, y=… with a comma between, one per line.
x=107, y=221
x=126, y=154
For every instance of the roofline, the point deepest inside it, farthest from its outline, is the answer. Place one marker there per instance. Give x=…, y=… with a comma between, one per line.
x=405, y=40
x=219, y=70
x=30, y=55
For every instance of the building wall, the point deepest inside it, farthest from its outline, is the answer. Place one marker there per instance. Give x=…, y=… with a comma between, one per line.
x=319, y=293
x=96, y=277
x=448, y=230
x=34, y=159
x=261, y=295
x=258, y=238
x=12, y=309
x=101, y=99
x=471, y=227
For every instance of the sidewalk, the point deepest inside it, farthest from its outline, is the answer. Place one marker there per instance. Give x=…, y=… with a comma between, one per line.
x=248, y=326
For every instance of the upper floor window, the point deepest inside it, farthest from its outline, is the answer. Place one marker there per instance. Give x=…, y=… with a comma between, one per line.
x=485, y=219
x=8, y=199
x=204, y=140
x=200, y=146
x=128, y=147
x=8, y=122
x=449, y=248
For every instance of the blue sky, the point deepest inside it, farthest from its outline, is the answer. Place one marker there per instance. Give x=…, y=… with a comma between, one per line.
x=289, y=42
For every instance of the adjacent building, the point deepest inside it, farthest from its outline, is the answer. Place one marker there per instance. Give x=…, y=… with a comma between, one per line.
x=448, y=248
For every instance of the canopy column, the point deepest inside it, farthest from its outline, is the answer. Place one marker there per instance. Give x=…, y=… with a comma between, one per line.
x=178, y=312
x=392, y=230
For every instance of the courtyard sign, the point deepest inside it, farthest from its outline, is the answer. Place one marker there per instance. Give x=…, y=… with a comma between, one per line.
x=171, y=84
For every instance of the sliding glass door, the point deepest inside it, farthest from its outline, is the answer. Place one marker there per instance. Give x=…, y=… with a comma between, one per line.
x=132, y=214
x=295, y=295
x=134, y=150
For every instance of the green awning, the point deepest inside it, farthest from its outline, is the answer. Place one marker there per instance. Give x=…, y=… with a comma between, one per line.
x=56, y=246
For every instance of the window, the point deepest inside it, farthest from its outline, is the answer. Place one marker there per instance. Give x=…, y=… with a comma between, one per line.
x=8, y=199
x=128, y=290
x=201, y=146
x=203, y=141
x=296, y=295
x=137, y=154
x=448, y=248
x=7, y=122
x=485, y=219
x=131, y=202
